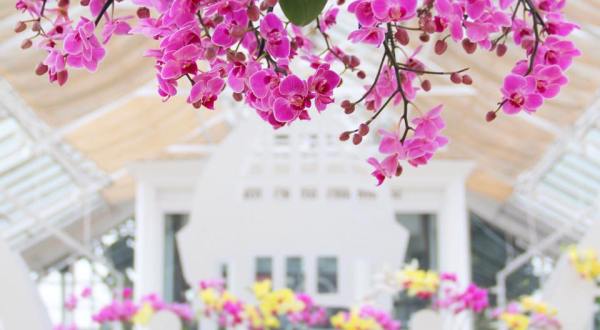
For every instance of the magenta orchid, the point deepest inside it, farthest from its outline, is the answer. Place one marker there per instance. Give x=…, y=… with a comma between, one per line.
x=521, y=94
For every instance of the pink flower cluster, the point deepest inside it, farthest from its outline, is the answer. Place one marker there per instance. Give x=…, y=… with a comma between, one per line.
x=416, y=149
x=384, y=319
x=247, y=48
x=123, y=309
x=311, y=315
x=278, y=96
x=472, y=298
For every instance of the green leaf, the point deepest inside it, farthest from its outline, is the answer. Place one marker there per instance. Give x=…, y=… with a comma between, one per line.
x=302, y=12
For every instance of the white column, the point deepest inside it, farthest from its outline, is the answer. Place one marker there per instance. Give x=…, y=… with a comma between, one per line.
x=149, y=242
x=454, y=244
x=453, y=233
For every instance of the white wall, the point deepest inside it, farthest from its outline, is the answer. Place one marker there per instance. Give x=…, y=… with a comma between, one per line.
x=20, y=304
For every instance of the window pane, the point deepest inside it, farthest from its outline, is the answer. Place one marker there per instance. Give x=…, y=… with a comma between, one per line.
x=294, y=274
x=327, y=278
x=422, y=244
x=264, y=268
x=175, y=284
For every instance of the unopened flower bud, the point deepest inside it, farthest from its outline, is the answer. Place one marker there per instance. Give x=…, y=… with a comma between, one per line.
x=356, y=139
x=354, y=61
x=26, y=44
x=63, y=3
x=143, y=12
x=62, y=77
x=469, y=46
x=440, y=47
x=348, y=107
x=402, y=37
x=490, y=116
x=467, y=80
x=399, y=170
x=429, y=26
x=238, y=97
x=345, y=136
x=361, y=74
x=20, y=27
x=426, y=85
x=456, y=78
x=270, y=3
x=424, y=37
x=84, y=2
x=41, y=69
x=363, y=129
x=501, y=50
x=253, y=13
x=341, y=2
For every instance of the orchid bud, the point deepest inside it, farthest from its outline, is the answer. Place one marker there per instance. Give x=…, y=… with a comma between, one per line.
x=356, y=139
x=469, y=46
x=354, y=61
x=456, y=78
x=426, y=85
x=490, y=116
x=20, y=27
x=345, y=136
x=62, y=77
x=399, y=170
x=143, y=12
x=26, y=44
x=467, y=80
x=363, y=129
x=402, y=36
x=501, y=50
x=238, y=97
x=361, y=74
x=253, y=13
x=440, y=47
x=424, y=37
x=41, y=69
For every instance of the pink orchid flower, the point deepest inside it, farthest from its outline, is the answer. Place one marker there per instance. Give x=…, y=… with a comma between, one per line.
x=322, y=83
x=82, y=46
x=363, y=11
x=368, y=35
x=394, y=10
x=520, y=94
x=206, y=90
x=293, y=101
x=278, y=44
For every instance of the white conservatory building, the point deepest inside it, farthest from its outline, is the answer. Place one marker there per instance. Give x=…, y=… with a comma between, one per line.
x=297, y=207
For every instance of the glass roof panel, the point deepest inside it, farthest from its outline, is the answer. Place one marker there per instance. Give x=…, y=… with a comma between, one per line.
x=37, y=180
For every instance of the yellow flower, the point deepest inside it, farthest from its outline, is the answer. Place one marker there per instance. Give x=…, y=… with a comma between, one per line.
x=209, y=297
x=585, y=262
x=515, y=321
x=418, y=281
x=531, y=305
x=261, y=289
x=143, y=315
x=353, y=321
